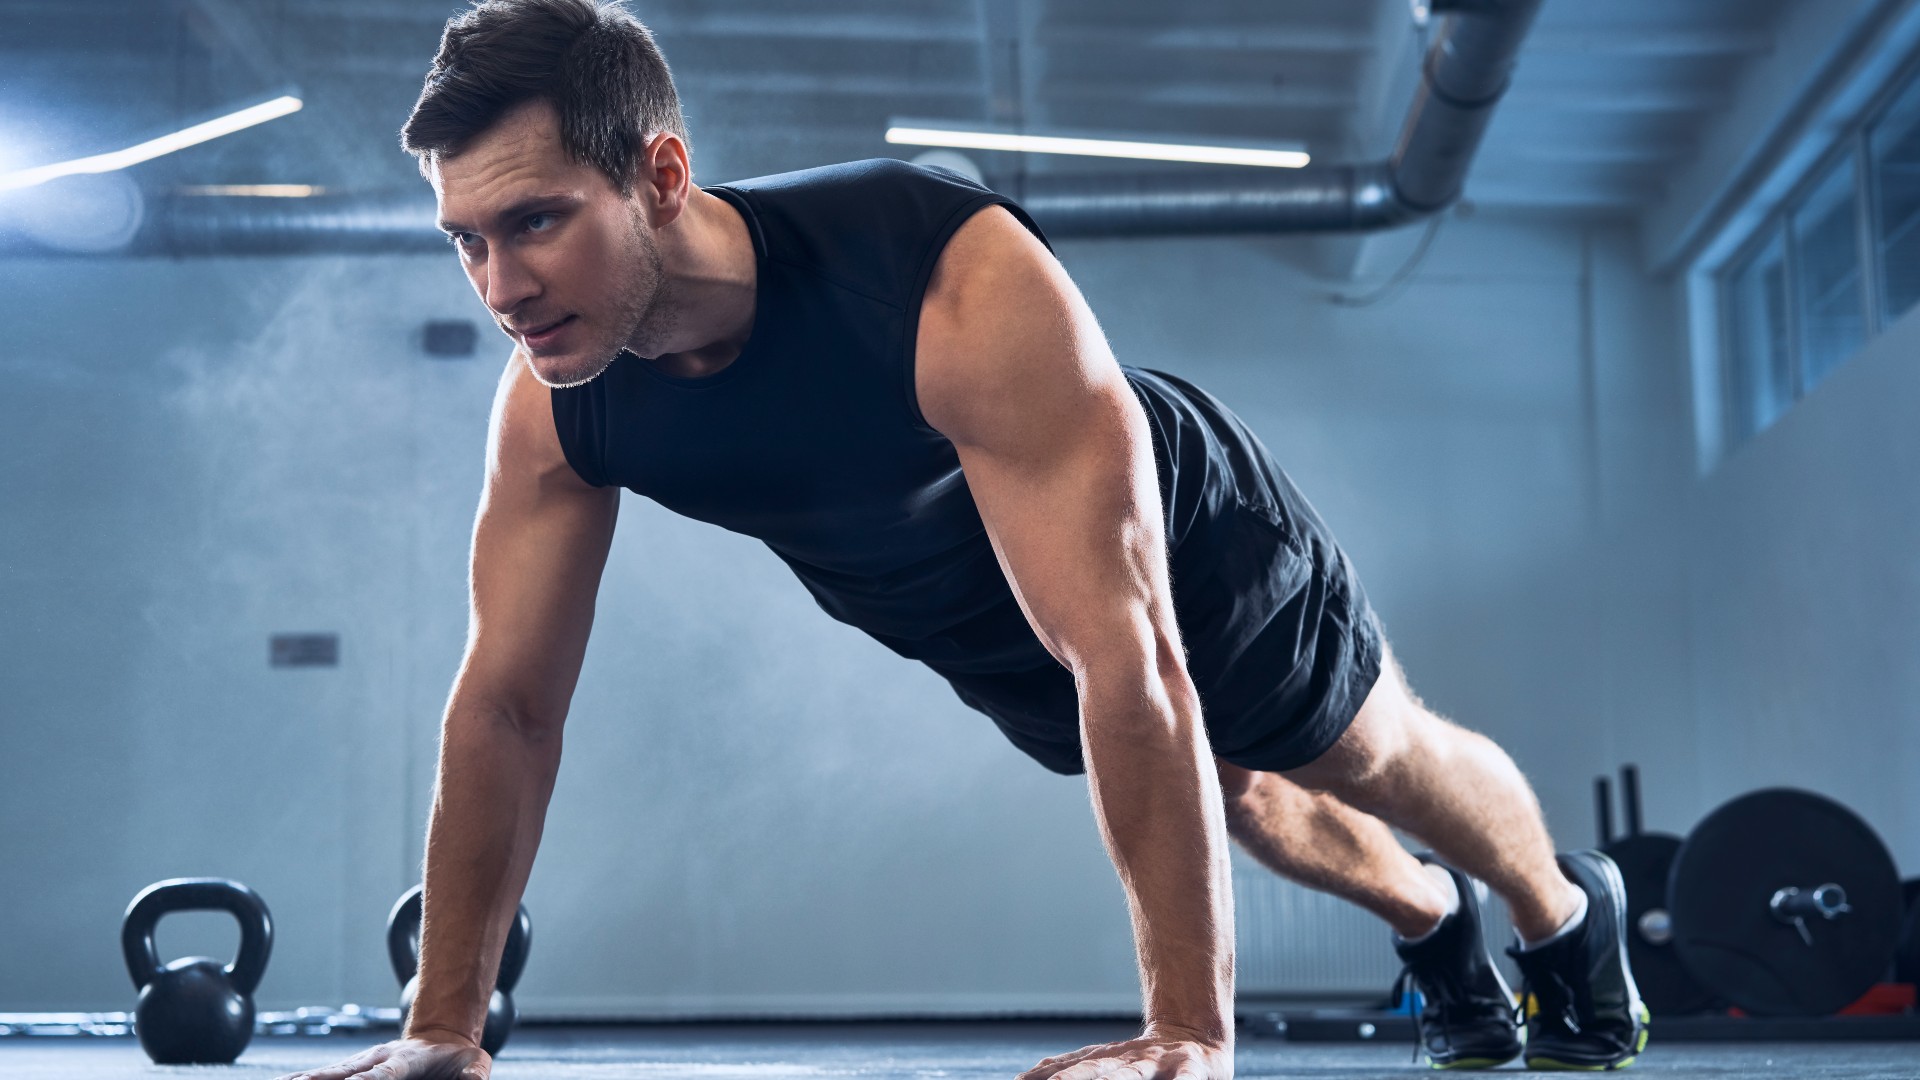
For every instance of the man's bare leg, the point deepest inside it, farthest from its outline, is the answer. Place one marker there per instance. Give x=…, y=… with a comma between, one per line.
x=1317, y=840
x=1454, y=789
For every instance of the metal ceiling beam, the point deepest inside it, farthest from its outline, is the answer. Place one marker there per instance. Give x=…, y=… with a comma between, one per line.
x=822, y=25
x=1004, y=44
x=1259, y=95
x=1604, y=97
x=239, y=35
x=693, y=83
x=1247, y=38
x=1612, y=40
x=1551, y=152
x=828, y=26
x=1653, y=42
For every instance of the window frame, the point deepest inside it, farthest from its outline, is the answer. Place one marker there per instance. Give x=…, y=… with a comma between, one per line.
x=1854, y=140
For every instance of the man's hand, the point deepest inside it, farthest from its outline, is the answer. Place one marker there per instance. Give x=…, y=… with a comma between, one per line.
x=427, y=1055
x=1153, y=1056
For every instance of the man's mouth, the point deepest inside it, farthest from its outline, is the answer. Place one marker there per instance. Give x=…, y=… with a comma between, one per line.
x=541, y=335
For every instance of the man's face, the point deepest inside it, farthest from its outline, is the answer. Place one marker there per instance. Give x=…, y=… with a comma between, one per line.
x=568, y=266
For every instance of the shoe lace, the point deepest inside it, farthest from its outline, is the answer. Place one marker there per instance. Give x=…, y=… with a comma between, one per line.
x=1561, y=1003
x=1435, y=995
x=1553, y=996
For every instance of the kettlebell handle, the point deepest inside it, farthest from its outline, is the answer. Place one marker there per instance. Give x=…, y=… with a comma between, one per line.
x=403, y=941
x=198, y=894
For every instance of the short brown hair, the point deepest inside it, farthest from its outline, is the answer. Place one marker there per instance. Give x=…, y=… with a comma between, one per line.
x=590, y=59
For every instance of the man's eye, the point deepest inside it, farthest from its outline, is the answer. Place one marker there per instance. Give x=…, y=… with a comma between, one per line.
x=461, y=239
x=541, y=222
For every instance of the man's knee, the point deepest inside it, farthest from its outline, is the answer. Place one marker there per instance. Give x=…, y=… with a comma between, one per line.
x=1362, y=769
x=1237, y=789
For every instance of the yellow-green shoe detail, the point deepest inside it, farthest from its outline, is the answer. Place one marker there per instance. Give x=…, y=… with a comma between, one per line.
x=1550, y=1065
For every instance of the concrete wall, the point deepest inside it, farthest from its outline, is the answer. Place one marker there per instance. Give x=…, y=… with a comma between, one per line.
x=1804, y=600
x=759, y=811
x=1775, y=578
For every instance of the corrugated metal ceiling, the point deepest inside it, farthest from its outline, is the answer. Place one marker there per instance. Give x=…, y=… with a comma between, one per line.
x=1609, y=97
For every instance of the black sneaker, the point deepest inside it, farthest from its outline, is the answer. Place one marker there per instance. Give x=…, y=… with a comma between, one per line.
x=1466, y=1019
x=1583, y=1010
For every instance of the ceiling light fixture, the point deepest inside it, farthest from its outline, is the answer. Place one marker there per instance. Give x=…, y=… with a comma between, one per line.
x=153, y=148
x=1113, y=148
x=254, y=191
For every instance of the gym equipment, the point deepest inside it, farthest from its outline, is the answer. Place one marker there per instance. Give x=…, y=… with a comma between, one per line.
x=1906, y=958
x=195, y=1011
x=1304, y=1025
x=403, y=950
x=1645, y=860
x=1785, y=903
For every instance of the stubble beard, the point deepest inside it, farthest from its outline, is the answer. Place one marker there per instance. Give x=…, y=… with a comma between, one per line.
x=645, y=307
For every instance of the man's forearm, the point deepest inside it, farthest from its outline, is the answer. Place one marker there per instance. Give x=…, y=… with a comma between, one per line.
x=1157, y=798
x=490, y=803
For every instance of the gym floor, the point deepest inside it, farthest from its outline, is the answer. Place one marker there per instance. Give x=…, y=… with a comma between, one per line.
x=949, y=1050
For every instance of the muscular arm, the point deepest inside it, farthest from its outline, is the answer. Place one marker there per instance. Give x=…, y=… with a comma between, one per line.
x=1013, y=369
x=539, y=545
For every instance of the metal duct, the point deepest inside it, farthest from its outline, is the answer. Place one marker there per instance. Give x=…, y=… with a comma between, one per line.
x=385, y=223
x=1464, y=73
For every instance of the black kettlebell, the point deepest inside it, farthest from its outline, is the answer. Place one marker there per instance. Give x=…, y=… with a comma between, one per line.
x=195, y=1011
x=403, y=949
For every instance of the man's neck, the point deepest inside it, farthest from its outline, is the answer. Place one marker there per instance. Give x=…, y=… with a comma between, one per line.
x=712, y=280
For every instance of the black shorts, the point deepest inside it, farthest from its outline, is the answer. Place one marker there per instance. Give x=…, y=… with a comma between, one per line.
x=1281, y=642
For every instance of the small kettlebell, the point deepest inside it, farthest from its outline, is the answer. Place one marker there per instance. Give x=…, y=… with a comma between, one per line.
x=403, y=950
x=195, y=1011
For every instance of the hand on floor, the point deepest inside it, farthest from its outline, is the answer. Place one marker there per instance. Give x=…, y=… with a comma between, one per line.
x=1145, y=1058
x=438, y=1057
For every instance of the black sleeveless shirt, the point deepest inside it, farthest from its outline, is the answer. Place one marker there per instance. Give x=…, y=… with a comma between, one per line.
x=812, y=440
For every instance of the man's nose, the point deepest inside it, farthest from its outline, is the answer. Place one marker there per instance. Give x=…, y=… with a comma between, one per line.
x=509, y=285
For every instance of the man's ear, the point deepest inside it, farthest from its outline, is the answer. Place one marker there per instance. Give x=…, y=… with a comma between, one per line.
x=663, y=178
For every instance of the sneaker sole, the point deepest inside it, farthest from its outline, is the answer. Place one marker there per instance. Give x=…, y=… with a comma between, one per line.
x=1545, y=1064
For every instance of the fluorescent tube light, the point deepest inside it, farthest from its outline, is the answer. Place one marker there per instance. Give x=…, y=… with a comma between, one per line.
x=1114, y=148
x=256, y=191
x=153, y=148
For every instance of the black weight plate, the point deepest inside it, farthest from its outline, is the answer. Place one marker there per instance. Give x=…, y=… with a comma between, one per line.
x=1727, y=872
x=1906, y=959
x=1646, y=861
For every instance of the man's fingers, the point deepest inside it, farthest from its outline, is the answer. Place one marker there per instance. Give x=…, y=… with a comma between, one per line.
x=1137, y=1059
x=1147, y=1067
x=1049, y=1067
x=335, y=1071
x=345, y=1069
x=1090, y=1069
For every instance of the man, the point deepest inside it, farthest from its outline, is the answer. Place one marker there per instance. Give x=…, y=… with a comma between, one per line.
x=881, y=371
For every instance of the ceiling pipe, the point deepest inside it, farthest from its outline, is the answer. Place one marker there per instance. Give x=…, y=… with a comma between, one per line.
x=1464, y=73
x=387, y=223
x=1463, y=76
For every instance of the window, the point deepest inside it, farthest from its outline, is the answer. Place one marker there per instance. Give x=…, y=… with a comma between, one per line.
x=1894, y=148
x=1760, y=371
x=1829, y=301
x=1827, y=267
